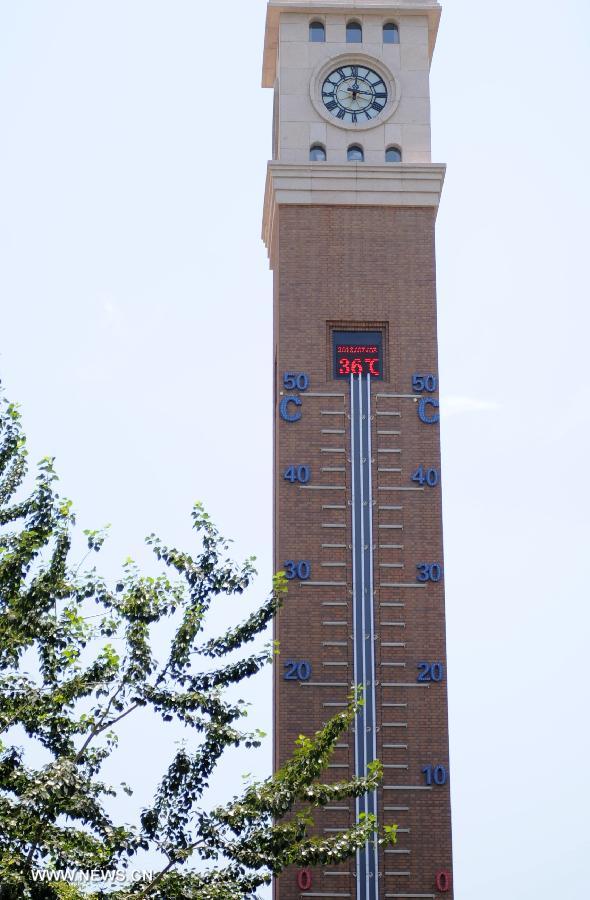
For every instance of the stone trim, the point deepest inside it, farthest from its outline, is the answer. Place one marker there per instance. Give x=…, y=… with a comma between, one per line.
x=353, y=184
x=431, y=8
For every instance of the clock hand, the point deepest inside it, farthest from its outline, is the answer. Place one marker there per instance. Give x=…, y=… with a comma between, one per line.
x=353, y=91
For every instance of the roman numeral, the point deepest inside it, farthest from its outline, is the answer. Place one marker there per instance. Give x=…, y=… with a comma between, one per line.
x=355, y=71
x=340, y=114
x=354, y=118
x=381, y=95
x=331, y=105
x=377, y=106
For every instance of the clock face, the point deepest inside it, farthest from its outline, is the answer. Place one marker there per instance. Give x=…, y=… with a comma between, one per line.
x=354, y=94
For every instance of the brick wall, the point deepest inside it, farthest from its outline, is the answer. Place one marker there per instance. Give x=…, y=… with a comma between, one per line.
x=362, y=267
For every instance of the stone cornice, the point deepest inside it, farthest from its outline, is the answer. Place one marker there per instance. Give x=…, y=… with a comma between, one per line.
x=324, y=184
x=431, y=8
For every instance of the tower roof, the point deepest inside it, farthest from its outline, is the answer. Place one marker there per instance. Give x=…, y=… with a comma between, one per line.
x=430, y=8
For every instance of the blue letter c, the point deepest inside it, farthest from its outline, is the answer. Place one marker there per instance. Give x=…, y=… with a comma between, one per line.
x=423, y=414
x=284, y=409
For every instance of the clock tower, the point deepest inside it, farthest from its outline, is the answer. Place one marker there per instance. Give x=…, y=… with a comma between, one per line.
x=349, y=223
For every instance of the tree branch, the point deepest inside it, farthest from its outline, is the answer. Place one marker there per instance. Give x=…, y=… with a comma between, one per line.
x=98, y=728
x=173, y=862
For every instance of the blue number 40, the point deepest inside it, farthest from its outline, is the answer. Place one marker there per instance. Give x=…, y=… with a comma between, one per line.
x=301, y=474
x=424, y=476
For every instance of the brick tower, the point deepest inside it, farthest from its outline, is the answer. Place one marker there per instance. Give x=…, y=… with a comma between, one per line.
x=349, y=223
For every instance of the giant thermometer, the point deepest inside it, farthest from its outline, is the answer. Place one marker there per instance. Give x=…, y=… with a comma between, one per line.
x=349, y=220
x=357, y=506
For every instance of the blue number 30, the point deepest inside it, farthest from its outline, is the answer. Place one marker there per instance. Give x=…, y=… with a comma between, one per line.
x=300, y=569
x=429, y=572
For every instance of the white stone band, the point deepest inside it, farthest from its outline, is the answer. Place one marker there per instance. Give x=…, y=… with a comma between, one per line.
x=353, y=184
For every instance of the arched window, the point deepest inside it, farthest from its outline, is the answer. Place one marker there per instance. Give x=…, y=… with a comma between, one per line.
x=393, y=154
x=354, y=33
x=390, y=33
x=356, y=153
x=317, y=153
x=317, y=32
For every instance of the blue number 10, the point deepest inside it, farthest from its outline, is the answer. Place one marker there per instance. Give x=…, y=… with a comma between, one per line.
x=435, y=775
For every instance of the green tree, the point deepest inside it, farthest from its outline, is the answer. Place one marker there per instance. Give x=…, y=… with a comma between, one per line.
x=64, y=688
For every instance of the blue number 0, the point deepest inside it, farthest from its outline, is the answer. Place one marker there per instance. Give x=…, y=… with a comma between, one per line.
x=300, y=569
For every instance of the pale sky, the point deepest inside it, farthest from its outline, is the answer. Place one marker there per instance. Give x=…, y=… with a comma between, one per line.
x=135, y=331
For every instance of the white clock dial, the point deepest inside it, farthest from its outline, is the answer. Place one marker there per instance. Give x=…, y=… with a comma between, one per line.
x=354, y=94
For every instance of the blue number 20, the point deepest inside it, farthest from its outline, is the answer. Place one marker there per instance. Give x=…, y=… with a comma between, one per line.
x=297, y=670
x=430, y=671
